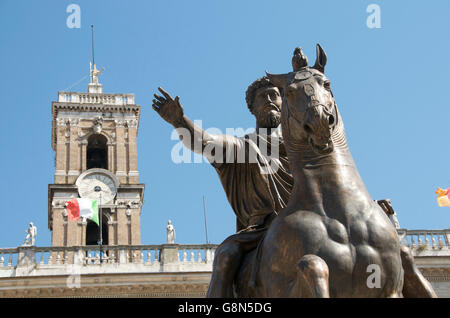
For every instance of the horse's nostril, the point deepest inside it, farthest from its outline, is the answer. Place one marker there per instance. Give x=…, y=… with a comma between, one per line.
x=331, y=120
x=307, y=129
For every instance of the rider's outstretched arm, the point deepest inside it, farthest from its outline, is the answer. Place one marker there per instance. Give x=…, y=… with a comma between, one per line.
x=213, y=147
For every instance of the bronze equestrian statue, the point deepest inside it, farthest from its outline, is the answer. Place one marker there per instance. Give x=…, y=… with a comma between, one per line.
x=331, y=235
x=254, y=196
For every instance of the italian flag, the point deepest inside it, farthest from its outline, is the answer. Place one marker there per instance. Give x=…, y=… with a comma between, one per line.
x=85, y=208
x=443, y=198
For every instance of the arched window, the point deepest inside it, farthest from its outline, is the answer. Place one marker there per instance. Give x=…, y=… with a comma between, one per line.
x=97, y=152
x=92, y=232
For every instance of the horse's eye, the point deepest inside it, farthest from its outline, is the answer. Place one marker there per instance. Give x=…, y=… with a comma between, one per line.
x=326, y=84
x=290, y=90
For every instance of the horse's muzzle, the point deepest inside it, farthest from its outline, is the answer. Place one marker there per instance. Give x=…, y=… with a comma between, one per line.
x=319, y=122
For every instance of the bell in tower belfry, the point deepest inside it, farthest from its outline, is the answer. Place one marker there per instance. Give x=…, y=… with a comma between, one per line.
x=94, y=136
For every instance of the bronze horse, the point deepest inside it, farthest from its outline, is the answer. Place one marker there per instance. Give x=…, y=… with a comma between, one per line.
x=332, y=236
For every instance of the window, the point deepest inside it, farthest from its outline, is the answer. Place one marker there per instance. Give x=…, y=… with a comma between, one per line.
x=92, y=231
x=97, y=152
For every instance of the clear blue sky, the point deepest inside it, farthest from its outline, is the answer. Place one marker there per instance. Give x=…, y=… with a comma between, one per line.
x=391, y=85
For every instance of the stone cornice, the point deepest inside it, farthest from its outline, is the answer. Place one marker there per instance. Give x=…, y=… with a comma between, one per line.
x=83, y=107
x=436, y=274
x=96, y=107
x=140, y=188
x=109, y=285
x=51, y=189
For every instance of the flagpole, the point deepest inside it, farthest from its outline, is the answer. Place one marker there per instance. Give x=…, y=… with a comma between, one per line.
x=93, y=59
x=101, y=223
x=100, y=241
x=206, y=224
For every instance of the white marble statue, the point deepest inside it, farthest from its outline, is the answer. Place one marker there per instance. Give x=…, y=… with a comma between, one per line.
x=170, y=233
x=95, y=73
x=31, y=235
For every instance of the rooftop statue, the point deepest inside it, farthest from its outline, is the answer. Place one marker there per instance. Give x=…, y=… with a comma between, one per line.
x=94, y=72
x=31, y=235
x=170, y=233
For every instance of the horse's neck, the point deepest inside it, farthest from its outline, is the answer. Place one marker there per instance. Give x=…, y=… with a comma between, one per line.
x=327, y=184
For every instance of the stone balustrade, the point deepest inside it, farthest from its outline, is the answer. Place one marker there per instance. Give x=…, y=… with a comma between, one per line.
x=95, y=98
x=37, y=261
x=427, y=242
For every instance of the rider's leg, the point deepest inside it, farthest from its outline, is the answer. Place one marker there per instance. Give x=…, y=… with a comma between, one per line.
x=226, y=263
x=312, y=280
x=414, y=285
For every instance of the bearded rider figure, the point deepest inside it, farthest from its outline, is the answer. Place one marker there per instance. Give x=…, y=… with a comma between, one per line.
x=254, y=172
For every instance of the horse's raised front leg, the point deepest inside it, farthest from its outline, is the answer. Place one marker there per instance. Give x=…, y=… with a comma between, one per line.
x=414, y=285
x=312, y=279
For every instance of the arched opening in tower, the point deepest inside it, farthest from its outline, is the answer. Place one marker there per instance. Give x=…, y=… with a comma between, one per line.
x=97, y=152
x=93, y=232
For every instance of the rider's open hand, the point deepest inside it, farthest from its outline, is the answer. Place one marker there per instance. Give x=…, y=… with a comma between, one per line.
x=168, y=108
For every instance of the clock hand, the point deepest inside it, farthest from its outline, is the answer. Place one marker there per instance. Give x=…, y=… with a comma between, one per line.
x=89, y=192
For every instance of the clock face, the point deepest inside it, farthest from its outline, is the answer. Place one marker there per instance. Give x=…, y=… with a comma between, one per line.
x=86, y=187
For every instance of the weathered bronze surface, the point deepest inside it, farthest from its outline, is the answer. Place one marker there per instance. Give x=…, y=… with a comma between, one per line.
x=331, y=235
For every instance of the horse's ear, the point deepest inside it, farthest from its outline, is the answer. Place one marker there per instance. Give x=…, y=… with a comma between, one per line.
x=321, y=59
x=278, y=80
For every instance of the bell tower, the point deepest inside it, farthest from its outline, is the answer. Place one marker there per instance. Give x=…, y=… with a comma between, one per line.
x=94, y=136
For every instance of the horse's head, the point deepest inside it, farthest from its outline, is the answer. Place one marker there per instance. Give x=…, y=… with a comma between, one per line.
x=309, y=113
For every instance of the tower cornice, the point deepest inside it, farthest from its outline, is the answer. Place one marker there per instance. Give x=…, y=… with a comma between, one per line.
x=93, y=107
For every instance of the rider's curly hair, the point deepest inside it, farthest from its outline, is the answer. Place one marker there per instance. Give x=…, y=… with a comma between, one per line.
x=251, y=90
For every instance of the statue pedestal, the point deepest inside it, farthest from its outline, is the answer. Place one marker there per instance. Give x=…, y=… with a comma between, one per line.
x=27, y=255
x=169, y=254
x=95, y=88
x=26, y=260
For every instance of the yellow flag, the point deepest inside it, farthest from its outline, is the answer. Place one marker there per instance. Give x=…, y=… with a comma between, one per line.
x=443, y=198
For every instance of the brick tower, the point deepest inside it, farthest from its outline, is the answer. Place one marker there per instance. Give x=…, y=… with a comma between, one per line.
x=94, y=139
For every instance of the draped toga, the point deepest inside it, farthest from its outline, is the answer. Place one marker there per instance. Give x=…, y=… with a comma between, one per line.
x=256, y=179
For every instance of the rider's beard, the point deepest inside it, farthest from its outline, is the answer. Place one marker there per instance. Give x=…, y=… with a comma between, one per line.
x=271, y=119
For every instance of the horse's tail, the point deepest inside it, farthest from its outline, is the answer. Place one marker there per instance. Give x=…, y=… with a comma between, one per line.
x=312, y=278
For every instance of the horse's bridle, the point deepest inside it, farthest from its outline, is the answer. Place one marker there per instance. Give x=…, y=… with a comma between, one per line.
x=309, y=91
